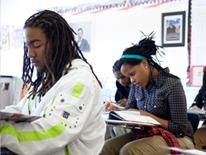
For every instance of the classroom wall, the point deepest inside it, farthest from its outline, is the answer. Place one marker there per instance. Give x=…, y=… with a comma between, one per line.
x=111, y=31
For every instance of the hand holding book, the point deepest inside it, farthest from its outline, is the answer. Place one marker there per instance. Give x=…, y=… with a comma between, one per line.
x=197, y=110
x=17, y=117
x=111, y=106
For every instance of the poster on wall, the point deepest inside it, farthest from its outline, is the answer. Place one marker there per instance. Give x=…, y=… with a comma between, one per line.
x=173, y=29
x=83, y=35
x=4, y=38
x=196, y=75
x=17, y=37
x=11, y=37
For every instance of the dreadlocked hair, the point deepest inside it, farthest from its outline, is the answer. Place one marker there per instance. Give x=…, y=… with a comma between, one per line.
x=59, y=54
x=148, y=49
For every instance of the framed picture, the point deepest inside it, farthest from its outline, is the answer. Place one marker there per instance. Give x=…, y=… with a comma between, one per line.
x=173, y=29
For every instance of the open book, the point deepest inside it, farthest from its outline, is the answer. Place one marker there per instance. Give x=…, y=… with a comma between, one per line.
x=131, y=117
x=17, y=117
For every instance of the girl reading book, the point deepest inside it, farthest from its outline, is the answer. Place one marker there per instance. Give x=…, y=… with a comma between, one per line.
x=156, y=93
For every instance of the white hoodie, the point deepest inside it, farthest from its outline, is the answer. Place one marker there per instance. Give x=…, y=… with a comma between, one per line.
x=71, y=121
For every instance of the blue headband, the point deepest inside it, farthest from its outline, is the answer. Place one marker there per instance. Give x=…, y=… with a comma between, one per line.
x=133, y=56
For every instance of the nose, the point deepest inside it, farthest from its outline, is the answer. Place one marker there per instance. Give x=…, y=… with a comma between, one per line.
x=30, y=53
x=132, y=80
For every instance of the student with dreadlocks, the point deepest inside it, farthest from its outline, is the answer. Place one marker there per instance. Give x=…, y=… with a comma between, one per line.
x=156, y=93
x=66, y=94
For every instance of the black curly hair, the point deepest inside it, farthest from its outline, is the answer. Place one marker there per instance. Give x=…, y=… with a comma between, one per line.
x=146, y=49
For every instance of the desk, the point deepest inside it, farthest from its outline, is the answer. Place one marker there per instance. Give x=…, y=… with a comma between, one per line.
x=201, y=114
x=196, y=117
x=129, y=118
x=124, y=124
x=119, y=127
x=128, y=124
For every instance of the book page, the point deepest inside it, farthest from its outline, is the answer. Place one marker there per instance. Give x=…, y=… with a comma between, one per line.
x=136, y=117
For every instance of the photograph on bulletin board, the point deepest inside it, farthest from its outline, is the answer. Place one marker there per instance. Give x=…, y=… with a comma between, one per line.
x=83, y=35
x=196, y=75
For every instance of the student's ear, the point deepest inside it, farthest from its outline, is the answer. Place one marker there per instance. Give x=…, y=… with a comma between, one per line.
x=145, y=63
